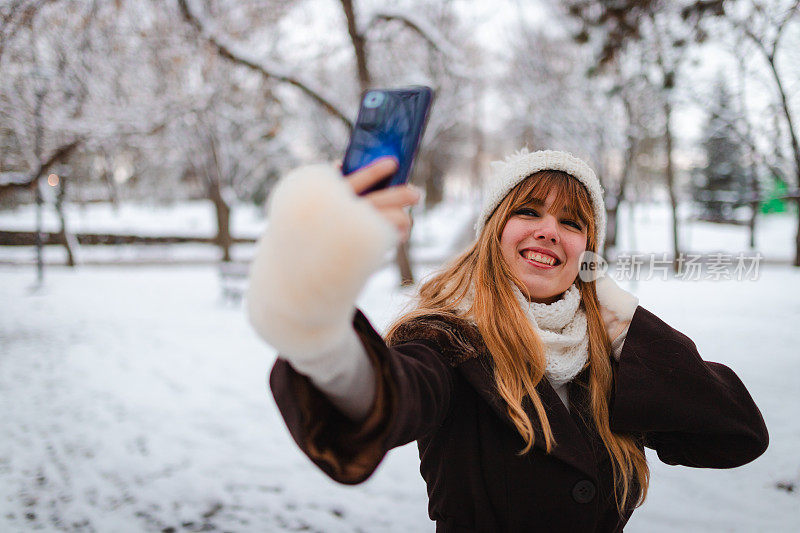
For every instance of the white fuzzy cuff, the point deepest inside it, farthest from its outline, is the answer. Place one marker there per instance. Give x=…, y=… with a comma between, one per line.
x=617, y=307
x=321, y=244
x=615, y=299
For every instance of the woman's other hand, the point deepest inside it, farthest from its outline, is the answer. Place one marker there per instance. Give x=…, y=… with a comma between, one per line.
x=617, y=307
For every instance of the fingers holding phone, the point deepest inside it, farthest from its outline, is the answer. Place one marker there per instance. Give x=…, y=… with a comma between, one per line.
x=390, y=202
x=362, y=179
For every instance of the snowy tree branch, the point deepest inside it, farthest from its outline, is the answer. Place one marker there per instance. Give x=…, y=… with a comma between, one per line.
x=231, y=52
x=359, y=45
x=746, y=139
x=16, y=15
x=782, y=24
x=61, y=153
x=421, y=27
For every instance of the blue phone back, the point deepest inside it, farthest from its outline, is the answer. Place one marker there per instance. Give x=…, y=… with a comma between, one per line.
x=390, y=123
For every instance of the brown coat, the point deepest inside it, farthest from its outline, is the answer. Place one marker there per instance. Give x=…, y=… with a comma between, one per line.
x=435, y=386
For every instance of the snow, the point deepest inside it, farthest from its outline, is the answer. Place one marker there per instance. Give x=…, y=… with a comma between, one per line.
x=192, y=218
x=134, y=397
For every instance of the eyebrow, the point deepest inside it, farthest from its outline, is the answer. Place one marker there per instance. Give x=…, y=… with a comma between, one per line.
x=564, y=210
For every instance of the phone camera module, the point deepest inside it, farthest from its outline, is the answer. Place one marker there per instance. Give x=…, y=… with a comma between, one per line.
x=374, y=99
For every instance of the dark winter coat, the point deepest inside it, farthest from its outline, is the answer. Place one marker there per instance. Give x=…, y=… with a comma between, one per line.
x=435, y=386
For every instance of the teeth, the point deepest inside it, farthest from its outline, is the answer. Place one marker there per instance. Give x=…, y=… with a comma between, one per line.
x=539, y=258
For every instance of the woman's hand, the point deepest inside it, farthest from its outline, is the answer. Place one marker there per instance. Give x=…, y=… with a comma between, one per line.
x=321, y=245
x=617, y=307
x=390, y=202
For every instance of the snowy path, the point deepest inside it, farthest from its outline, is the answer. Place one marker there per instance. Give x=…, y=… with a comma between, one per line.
x=132, y=399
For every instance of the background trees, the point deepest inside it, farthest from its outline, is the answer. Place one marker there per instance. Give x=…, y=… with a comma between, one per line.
x=667, y=34
x=721, y=185
x=143, y=99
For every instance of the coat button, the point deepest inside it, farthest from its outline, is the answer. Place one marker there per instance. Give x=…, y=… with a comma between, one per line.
x=583, y=491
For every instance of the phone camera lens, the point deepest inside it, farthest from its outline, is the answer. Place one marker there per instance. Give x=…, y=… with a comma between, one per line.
x=373, y=99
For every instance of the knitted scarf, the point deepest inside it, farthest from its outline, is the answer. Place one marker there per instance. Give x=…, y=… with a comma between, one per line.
x=562, y=327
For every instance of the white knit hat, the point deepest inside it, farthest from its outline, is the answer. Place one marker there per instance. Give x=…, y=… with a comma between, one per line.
x=521, y=164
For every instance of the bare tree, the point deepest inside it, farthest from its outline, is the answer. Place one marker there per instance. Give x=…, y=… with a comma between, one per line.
x=33, y=105
x=765, y=26
x=360, y=29
x=129, y=119
x=658, y=33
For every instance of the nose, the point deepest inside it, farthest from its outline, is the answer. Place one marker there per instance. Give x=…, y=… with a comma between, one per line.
x=547, y=229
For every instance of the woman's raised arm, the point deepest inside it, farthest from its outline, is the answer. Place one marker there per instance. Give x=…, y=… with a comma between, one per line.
x=321, y=244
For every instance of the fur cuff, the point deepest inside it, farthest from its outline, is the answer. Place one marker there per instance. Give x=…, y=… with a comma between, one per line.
x=615, y=299
x=321, y=244
x=617, y=307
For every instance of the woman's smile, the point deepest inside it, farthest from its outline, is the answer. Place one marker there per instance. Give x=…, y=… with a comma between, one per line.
x=540, y=258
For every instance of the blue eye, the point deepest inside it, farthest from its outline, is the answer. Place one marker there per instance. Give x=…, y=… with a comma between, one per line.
x=527, y=212
x=572, y=223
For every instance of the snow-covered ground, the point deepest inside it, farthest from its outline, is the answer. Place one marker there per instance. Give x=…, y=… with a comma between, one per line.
x=134, y=399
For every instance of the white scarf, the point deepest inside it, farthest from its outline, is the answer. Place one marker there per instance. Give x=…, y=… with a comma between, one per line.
x=562, y=328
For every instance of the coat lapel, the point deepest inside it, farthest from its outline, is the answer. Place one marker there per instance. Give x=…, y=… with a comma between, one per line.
x=571, y=446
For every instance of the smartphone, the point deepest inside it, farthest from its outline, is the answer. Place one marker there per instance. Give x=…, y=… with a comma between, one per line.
x=390, y=122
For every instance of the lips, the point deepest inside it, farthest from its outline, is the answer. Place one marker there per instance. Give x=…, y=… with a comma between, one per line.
x=541, y=257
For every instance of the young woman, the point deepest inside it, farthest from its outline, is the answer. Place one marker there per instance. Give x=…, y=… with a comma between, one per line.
x=530, y=391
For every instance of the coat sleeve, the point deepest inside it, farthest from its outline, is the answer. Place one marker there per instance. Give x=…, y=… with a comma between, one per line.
x=692, y=412
x=413, y=389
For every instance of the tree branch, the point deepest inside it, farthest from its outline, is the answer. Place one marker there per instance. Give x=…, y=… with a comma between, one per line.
x=228, y=51
x=782, y=24
x=421, y=27
x=10, y=25
x=770, y=57
x=359, y=45
x=748, y=141
x=58, y=155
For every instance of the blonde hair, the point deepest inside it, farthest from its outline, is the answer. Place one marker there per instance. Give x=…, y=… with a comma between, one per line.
x=516, y=350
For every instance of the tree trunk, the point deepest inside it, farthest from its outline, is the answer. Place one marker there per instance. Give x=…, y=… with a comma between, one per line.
x=364, y=80
x=670, y=175
x=755, y=192
x=359, y=45
x=753, y=185
x=36, y=183
x=404, y=265
x=434, y=192
x=111, y=187
x=223, y=238
x=69, y=240
x=795, y=147
x=223, y=210
x=612, y=211
x=107, y=177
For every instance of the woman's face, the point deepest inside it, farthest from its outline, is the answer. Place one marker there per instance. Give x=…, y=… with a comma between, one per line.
x=543, y=249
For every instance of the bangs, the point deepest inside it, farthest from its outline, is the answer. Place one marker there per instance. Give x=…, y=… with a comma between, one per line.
x=571, y=196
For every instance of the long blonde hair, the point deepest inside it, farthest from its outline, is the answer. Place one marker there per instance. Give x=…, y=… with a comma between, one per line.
x=517, y=351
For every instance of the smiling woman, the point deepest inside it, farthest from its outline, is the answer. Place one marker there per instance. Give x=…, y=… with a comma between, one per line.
x=530, y=391
x=542, y=241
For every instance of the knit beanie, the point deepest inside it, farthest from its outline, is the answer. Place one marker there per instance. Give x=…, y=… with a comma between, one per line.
x=507, y=174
